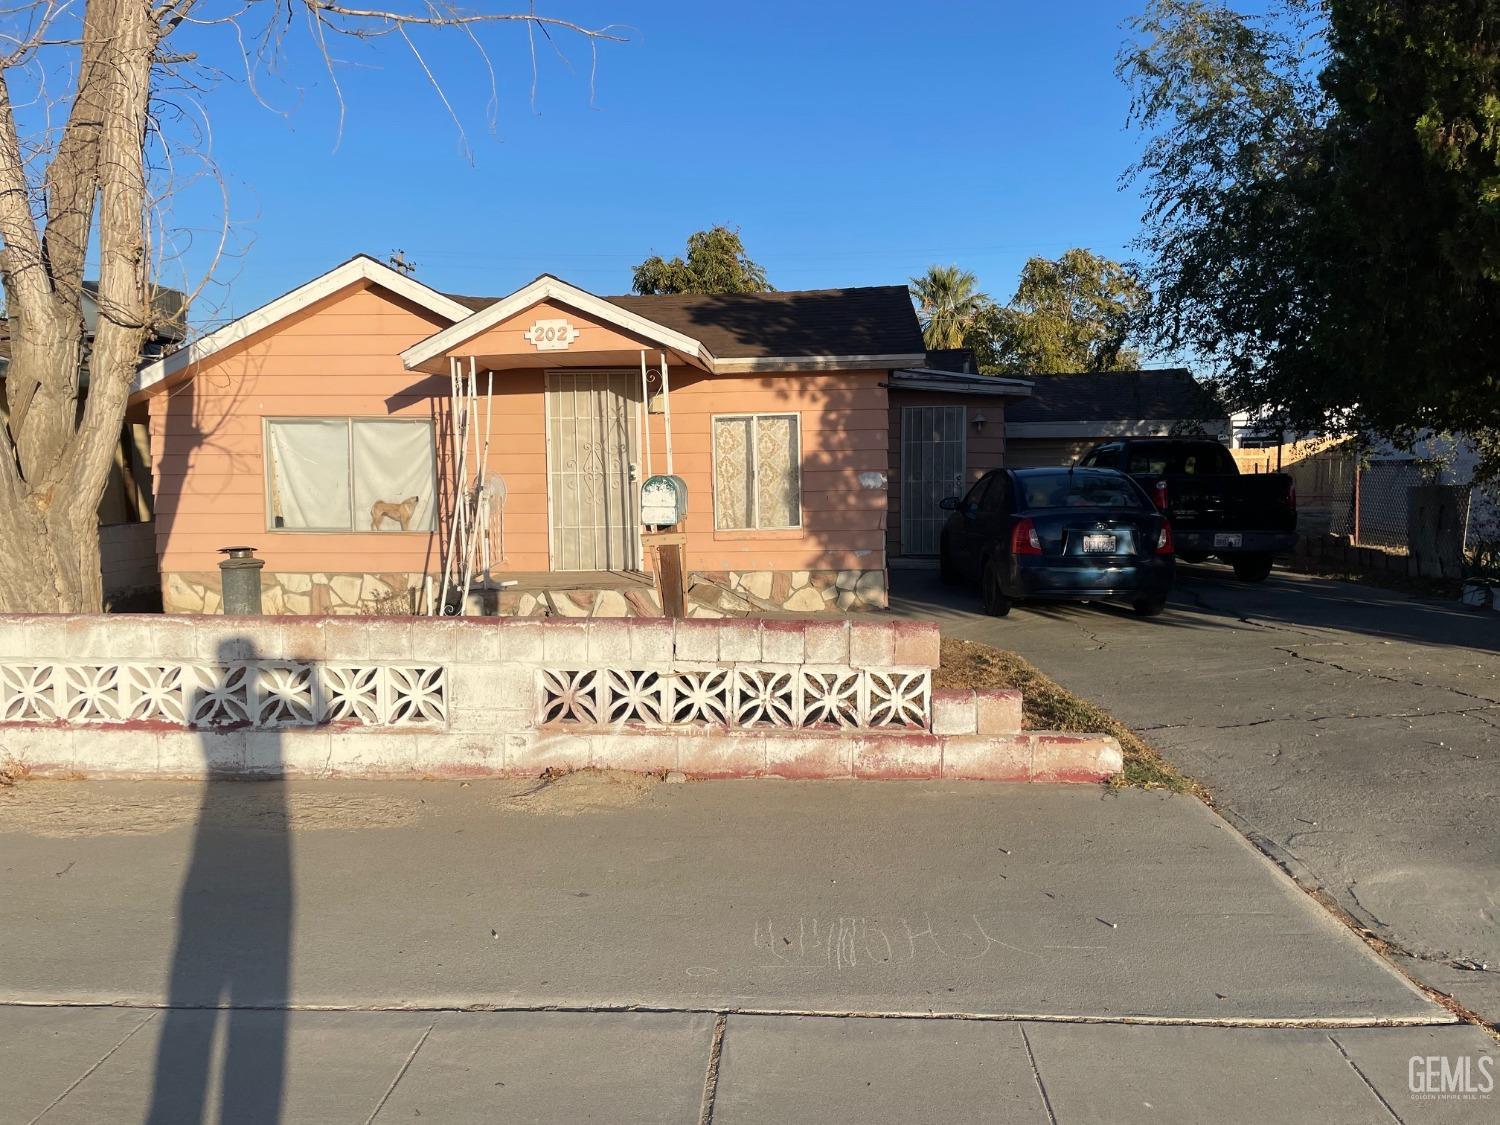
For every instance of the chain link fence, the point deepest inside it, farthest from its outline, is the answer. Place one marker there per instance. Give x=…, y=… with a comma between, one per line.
x=1377, y=507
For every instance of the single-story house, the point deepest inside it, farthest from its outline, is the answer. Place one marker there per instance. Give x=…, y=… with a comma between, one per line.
x=320, y=430
x=1067, y=414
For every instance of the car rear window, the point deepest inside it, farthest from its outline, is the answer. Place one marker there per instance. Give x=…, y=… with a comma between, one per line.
x=1081, y=488
x=1179, y=459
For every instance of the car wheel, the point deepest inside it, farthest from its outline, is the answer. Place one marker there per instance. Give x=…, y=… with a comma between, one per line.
x=1252, y=568
x=1150, y=607
x=948, y=569
x=996, y=604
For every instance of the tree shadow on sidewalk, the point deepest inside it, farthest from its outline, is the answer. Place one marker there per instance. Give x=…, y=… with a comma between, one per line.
x=232, y=962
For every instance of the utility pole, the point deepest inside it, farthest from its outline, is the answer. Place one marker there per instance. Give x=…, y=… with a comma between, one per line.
x=399, y=263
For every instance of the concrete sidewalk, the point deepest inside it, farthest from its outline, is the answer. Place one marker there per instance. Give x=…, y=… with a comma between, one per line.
x=98, y=1066
x=1353, y=732
x=781, y=936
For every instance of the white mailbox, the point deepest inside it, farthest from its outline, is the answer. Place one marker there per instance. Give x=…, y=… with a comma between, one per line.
x=663, y=501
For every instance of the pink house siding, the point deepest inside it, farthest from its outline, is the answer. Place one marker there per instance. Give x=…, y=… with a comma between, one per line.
x=342, y=358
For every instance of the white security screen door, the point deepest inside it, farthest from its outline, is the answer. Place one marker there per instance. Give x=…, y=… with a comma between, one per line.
x=932, y=467
x=591, y=461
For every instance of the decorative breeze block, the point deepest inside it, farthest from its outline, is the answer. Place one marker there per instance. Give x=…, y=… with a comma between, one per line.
x=744, y=696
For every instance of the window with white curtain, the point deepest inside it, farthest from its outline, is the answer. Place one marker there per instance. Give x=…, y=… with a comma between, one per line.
x=757, y=472
x=350, y=474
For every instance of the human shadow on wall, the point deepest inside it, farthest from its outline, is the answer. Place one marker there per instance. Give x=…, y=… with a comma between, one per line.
x=232, y=960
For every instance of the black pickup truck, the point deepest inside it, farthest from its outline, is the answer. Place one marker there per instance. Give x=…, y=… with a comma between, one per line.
x=1213, y=510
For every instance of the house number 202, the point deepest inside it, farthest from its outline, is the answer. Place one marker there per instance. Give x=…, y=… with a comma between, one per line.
x=550, y=335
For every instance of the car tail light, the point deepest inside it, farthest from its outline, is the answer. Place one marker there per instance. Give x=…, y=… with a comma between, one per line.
x=1164, y=539
x=1024, y=540
x=1159, y=496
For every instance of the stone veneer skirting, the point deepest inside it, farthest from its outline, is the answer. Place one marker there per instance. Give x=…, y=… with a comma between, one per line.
x=193, y=696
x=712, y=594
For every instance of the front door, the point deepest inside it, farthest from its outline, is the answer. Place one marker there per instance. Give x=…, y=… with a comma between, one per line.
x=592, y=425
x=932, y=467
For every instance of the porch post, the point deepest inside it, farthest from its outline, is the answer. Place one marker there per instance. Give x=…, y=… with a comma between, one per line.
x=666, y=398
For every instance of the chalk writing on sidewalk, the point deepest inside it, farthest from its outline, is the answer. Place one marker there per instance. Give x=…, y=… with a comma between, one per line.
x=854, y=941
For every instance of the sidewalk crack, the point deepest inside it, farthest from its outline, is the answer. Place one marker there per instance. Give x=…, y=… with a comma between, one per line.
x=1037, y=1075
x=400, y=1074
x=1354, y=1066
x=711, y=1075
x=82, y=1077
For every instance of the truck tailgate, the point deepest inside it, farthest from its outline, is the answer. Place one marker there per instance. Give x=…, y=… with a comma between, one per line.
x=1256, y=502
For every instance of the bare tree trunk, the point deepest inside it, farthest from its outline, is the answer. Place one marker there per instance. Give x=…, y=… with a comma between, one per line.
x=58, y=437
x=57, y=458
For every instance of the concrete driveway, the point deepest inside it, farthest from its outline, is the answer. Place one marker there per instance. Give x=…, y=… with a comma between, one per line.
x=1352, y=733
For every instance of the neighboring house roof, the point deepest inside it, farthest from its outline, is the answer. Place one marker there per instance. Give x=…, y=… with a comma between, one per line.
x=170, y=327
x=958, y=383
x=1169, y=394
x=952, y=359
x=361, y=267
x=873, y=321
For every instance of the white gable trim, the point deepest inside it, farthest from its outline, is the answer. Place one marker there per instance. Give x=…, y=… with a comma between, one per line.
x=548, y=288
x=356, y=269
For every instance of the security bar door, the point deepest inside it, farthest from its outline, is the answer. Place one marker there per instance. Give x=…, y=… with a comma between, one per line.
x=591, y=461
x=932, y=467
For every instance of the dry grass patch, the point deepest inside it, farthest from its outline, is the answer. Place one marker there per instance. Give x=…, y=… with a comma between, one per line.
x=1047, y=705
x=578, y=792
x=123, y=808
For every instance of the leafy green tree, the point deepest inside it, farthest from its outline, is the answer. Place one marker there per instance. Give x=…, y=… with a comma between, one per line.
x=716, y=263
x=1323, y=205
x=951, y=307
x=1071, y=314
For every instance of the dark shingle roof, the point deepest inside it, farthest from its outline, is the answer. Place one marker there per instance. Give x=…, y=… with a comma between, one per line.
x=869, y=320
x=1170, y=393
x=952, y=359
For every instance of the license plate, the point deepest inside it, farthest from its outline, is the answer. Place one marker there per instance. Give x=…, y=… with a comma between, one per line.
x=1223, y=540
x=1098, y=544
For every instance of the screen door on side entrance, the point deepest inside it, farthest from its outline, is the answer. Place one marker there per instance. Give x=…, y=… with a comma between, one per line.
x=932, y=467
x=591, y=468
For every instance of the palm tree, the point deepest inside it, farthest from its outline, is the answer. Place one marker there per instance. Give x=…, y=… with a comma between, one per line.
x=949, y=305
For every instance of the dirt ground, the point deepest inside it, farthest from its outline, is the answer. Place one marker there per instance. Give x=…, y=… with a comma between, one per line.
x=64, y=809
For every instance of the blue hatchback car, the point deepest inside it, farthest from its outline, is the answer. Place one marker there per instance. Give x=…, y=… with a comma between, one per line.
x=1058, y=534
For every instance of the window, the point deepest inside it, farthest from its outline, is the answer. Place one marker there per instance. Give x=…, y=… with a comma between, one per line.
x=997, y=499
x=349, y=474
x=1187, y=459
x=1080, y=488
x=976, y=494
x=757, y=472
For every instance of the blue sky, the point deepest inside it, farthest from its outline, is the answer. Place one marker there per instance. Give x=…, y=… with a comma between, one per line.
x=852, y=143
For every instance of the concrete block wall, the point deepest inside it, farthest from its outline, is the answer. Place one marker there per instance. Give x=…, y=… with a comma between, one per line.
x=189, y=696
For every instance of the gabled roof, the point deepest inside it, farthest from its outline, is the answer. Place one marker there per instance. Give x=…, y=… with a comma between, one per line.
x=549, y=288
x=1169, y=394
x=874, y=322
x=359, y=268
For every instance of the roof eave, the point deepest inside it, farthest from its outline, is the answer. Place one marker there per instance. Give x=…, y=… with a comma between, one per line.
x=359, y=268
x=545, y=288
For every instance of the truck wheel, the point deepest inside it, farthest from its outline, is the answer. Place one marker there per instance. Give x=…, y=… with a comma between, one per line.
x=996, y=604
x=1149, y=607
x=1252, y=568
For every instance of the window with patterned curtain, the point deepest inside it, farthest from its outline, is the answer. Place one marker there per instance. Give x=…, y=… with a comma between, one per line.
x=757, y=472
